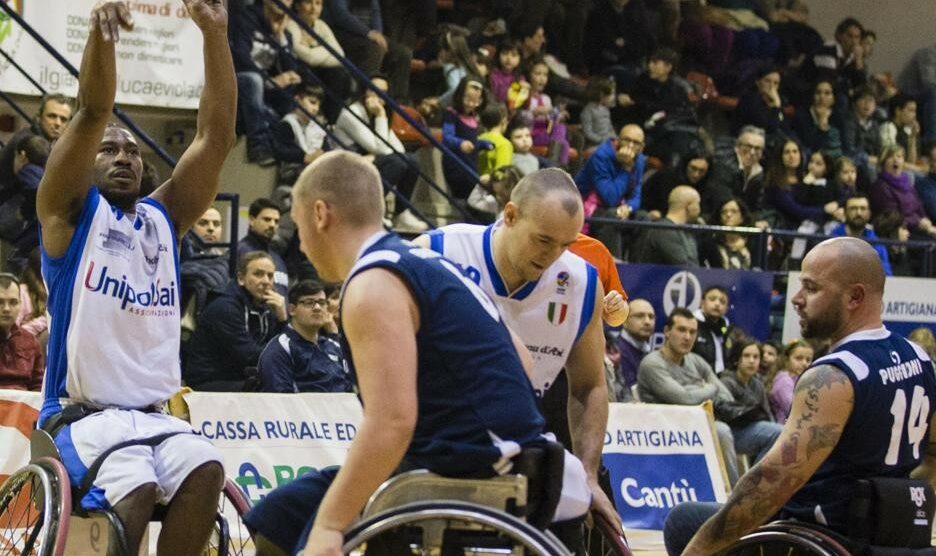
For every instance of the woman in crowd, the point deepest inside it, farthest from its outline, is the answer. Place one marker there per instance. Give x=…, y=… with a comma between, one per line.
x=894, y=190
x=816, y=125
x=728, y=250
x=797, y=356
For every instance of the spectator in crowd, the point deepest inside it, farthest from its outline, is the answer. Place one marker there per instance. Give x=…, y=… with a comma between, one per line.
x=610, y=183
x=926, y=185
x=494, y=120
x=889, y=224
x=506, y=80
x=523, y=158
x=235, y=326
x=547, y=121
x=618, y=39
x=797, y=356
x=633, y=346
x=918, y=79
x=716, y=333
x=857, y=218
x=694, y=172
x=564, y=22
x=263, y=217
x=749, y=415
x=675, y=375
x=323, y=63
x=18, y=200
x=661, y=107
x=34, y=300
x=359, y=29
x=460, y=134
x=304, y=358
x=903, y=129
x=728, y=250
x=365, y=127
x=55, y=111
x=529, y=31
x=816, y=124
x=846, y=178
x=204, y=267
x=861, y=132
x=492, y=193
x=924, y=338
x=784, y=178
x=742, y=174
x=770, y=354
x=299, y=138
x=596, y=115
x=22, y=364
x=894, y=190
x=818, y=190
x=762, y=106
x=673, y=247
x=788, y=22
x=262, y=49
x=457, y=62
x=841, y=60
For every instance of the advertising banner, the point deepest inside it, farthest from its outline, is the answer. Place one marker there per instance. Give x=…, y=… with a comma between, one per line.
x=659, y=456
x=159, y=63
x=668, y=287
x=19, y=411
x=909, y=303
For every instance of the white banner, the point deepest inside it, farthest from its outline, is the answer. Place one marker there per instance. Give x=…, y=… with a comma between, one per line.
x=659, y=456
x=909, y=303
x=159, y=63
x=19, y=411
x=270, y=439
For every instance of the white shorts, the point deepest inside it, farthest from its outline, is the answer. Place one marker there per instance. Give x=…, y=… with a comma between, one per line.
x=576, y=496
x=166, y=465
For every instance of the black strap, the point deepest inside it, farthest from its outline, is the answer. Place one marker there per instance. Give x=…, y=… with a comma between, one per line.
x=89, y=477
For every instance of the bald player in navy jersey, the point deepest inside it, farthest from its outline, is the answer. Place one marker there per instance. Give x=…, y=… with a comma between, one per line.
x=864, y=410
x=442, y=381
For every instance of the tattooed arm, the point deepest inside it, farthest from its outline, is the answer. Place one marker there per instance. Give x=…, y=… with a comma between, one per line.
x=927, y=468
x=822, y=403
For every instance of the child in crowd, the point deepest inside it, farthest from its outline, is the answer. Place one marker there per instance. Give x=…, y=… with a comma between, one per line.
x=522, y=141
x=490, y=196
x=506, y=80
x=299, y=138
x=548, y=128
x=457, y=63
x=460, y=134
x=819, y=191
x=596, y=116
x=494, y=120
x=846, y=178
x=797, y=356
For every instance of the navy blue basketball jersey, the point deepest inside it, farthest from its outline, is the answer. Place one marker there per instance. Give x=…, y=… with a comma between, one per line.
x=476, y=404
x=888, y=430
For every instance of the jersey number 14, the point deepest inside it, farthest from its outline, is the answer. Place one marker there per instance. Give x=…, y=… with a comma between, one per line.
x=917, y=423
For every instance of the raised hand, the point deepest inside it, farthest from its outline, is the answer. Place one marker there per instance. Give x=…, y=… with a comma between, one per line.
x=110, y=17
x=208, y=14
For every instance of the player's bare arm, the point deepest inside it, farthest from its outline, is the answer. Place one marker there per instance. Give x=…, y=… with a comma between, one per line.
x=380, y=319
x=588, y=403
x=822, y=403
x=70, y=168
x=194, y=182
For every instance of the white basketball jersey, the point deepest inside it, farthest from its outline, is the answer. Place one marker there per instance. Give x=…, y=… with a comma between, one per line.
x=549, y=315
x=114, y=302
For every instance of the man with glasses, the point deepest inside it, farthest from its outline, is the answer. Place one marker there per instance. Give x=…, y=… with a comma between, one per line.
x=302, y=359
x=610, y=183
x=741, y=175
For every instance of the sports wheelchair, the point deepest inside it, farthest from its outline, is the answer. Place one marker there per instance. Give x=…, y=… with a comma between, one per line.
x=418, y=512
x=37, y=515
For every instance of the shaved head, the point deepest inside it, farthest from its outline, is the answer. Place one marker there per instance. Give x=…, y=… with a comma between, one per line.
x=681, y=196
x=550, y=183
x=851, y=260
x=348, y=182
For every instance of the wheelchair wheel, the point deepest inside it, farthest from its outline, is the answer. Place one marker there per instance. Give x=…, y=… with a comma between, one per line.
x=230, y=536
x=602, y=539
x=448, y=528
x=35, y=503
x=776, y=541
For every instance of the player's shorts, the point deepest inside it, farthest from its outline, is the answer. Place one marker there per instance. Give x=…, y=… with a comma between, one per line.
x=166, y=465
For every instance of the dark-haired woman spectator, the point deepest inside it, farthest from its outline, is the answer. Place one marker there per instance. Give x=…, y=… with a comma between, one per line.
x=762, y=106
x=816, y=125
x=460, y=134
x=784, y=174
x=728, y=250
x=894, y=190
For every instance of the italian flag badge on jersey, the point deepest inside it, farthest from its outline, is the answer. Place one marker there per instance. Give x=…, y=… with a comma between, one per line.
x=557, y=312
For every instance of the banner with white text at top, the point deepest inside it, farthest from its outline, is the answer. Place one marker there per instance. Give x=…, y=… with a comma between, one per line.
x=909, y=303
x=19, y=411
x=659, y=456
x=159, y=62
x=268, y=440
